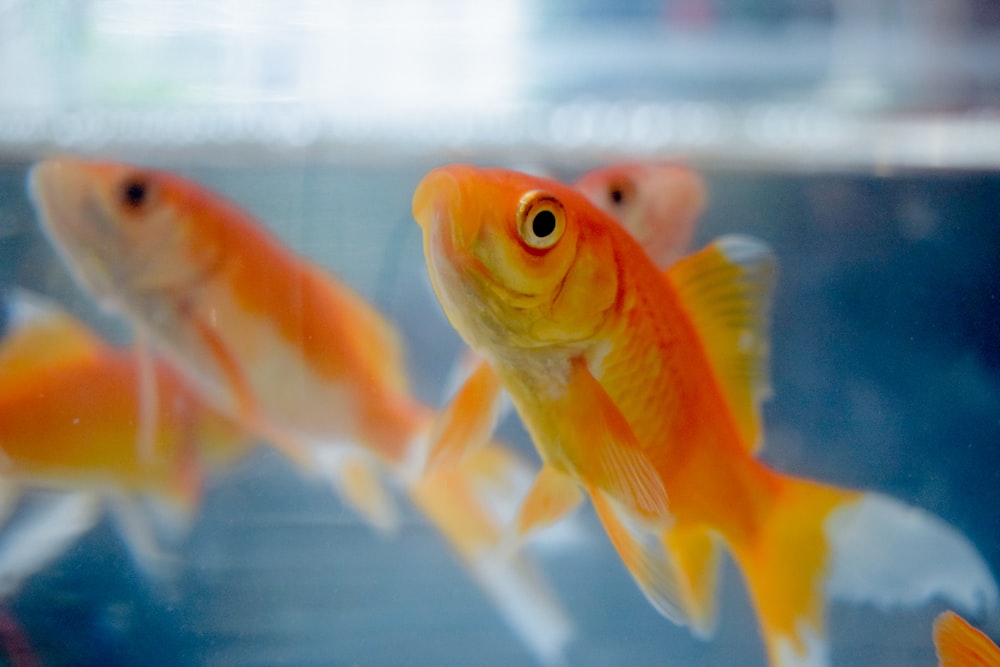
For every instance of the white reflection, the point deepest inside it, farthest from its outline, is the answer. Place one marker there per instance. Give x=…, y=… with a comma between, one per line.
x=387, y=57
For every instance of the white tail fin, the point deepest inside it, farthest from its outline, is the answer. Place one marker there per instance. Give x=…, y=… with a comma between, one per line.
x=33, y=541
x=820, y=542
x=890, y=554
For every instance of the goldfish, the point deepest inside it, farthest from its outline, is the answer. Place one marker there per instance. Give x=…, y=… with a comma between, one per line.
x=282, y=347
x=641, y=389
x=69, y=411
x=659, y=203
x=958, y=644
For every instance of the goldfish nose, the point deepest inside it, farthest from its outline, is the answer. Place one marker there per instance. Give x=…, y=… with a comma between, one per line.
x=437, y=192
x=46, y=177
x=41, y=174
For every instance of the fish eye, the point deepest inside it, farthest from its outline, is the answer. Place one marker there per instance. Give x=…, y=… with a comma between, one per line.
x=135, y=192
x=541, y=220
x=619, y=192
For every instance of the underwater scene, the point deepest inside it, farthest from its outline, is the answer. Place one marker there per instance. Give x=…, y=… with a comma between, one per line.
x=884, y=365
x=648, y=333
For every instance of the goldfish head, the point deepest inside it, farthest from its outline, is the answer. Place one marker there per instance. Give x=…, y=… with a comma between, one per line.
x=658, y=202
x=122, y=230
x=516, y=260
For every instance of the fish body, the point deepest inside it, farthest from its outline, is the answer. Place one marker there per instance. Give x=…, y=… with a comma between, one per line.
x=659, y=203
x=261, y=332
x=285, y=349
x=643, y=389
x=958, y=644
x=69, y=416
x=70, y=411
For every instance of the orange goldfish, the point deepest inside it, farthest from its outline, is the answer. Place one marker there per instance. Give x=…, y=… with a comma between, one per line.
x=69, y=411
x=282, y=347
x=659, y=203
x=958, y=644
x=643, y=389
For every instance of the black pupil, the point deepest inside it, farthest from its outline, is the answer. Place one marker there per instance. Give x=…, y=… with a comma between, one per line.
x=135, y=193
x=543, y=224
x=617, y=195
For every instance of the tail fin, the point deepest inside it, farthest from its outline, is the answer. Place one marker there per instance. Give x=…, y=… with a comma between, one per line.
x=958, y=644
x=47, y=530
x=464, y=503
x=820, y=542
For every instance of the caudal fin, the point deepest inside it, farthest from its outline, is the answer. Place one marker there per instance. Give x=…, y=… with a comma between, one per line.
x=820, y=543
x=958, y=644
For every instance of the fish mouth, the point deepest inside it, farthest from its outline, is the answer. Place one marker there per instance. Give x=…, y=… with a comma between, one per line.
x=72, y=220
x=432, y=196
x=438, y=206
x=47, y=189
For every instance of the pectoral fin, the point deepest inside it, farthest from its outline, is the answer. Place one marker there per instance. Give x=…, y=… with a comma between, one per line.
x=603, y=450
x=235, y=379
x=360, y=486
x=469, y=420
x=148, y=395
x=648, y=561
x=247, y=411
x=552, y=496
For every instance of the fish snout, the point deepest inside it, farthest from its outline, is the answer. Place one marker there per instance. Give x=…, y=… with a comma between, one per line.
x=435, y=194
x=43, y=177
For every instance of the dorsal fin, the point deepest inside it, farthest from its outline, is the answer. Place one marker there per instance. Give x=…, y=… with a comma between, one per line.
x=727, y=289
x=42, y=335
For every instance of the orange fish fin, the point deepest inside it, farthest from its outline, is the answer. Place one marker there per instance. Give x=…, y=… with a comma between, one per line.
x=42, y=335
x=552, y=496
x=818, y=541
x=187, y=482
x=958, y=644
x=246, y=407
x=727, y=289
x=470, y=418
x=642, y=550
x=236, y=380
x=604, y=452
x=148, y=405
x=469, y=504
x=360, y=485
x=695, y=553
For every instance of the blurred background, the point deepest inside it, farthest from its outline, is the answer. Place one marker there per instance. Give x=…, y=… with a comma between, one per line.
x=860, y=138
x=727, y=79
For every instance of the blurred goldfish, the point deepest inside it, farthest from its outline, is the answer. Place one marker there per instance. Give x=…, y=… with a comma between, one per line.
x=279, y=345
x=69, y=411
x=958, y=644
x=658, y=202
x=644, y=388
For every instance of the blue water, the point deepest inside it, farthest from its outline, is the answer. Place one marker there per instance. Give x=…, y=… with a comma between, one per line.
x=886, y=369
